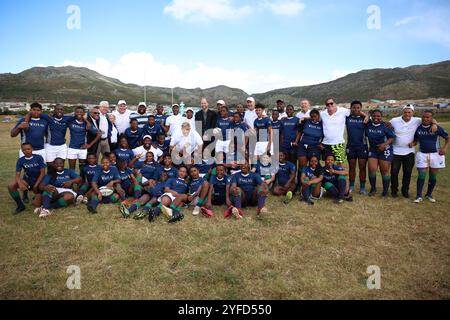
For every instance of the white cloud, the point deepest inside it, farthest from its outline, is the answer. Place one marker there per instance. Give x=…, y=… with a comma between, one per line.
x=338, y=73
x=206, y=10
x=405, y=21
x=144, y=69
x=285, y=7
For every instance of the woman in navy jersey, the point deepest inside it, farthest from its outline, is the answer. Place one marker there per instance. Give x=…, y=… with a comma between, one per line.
x=311, y=181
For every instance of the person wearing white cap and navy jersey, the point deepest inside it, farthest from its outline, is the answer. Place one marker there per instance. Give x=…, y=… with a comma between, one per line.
x=122, y=115
x=141, y=152
x=141, y=116
x=404, y=155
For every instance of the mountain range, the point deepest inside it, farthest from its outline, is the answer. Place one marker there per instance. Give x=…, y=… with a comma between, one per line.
x=81, y=85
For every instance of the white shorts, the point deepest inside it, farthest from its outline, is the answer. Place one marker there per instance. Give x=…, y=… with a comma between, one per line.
x=223, y=146
x=430, y=160
x=53, y=152
x=41, y=152
x=261, y=147
x=168, y=194
x=74, y=154
x=63, y=190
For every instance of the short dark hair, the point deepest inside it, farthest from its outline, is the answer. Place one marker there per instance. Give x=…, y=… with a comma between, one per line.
x=26, y=144
x=133, y=120
x=375, y=111
x=259, y=105
x=78, y=108
x=429, y=111
x=36, y=105
x=91, y=155
x=330, y=98
x=355, y=102
x=150, y=116
x=314, y=111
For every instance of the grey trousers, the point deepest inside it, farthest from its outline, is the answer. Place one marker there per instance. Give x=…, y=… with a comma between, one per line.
x=103, y=147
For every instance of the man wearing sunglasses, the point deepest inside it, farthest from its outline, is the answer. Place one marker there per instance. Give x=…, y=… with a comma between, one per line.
x=334, y=119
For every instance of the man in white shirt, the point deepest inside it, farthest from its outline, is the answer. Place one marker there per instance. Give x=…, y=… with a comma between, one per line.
x=404, y=156
x=250, y=115
x=304, y=109
x=186, y=142
x=147, y=147
x=174, y=121
x=122, y=115
x=190, y=117
x=105, y=127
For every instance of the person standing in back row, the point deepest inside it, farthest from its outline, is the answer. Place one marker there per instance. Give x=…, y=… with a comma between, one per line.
x=122, y=115
x=207, y=118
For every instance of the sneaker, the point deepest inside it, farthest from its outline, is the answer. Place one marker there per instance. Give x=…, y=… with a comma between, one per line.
x=44, y=213
x=139, y=215
x=79, y=199
x=176, y=218
x=236, y=213
x=25, y=198
x=85, y=200
x=166, y=211
x=405, y=195
x=207, y=212
x=339, y=201
x=348, y=198
x=372, y=193
x=124, y=210
x=288, y=197
x=126, y=203
x=19, y=209
x=431, y=199
x=261, y=211
x=363, y=192
x=196, y=211
x=351, y=189
x=227, y=213
x=37, y=210
x=91, y=209
x=418, y=200
x=394, y=195
x=151, y=214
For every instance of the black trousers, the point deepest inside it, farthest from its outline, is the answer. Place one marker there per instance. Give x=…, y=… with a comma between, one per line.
x=407, y=163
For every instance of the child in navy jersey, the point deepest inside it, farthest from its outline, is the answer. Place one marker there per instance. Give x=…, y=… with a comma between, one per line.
x=129, y=186
x=285, y=178
x=163, y=145
x=431, y=157
x=33, y=167
x=87, y=174
x=218, y=191
x=263, y=130
x=335, y=180
x=247, y=189
x=289, y=135
x=311, y=181
x=124, y=153
x=107, y=177
x=223, y=125
x=357, y=149
x=134, y=134
x=310, y=140
x=152, y=128
x=58, y=188
x=381, y=152
x=198, y=190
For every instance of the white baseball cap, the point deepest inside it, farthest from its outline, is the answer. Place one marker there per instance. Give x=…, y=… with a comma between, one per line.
x=142, y=104
x=175, y=104
x=189, y=109
x=408, y=106
x=121, y=102
x=221, y=102
x=147, y=136
x=251, y=99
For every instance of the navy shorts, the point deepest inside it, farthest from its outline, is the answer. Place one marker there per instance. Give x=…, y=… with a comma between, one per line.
x=357, y=152
x=308, y=151
x=218, y=199
x=288, y=149
x=386, y=155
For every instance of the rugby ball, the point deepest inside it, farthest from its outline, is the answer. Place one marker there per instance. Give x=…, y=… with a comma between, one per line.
x=105, y=191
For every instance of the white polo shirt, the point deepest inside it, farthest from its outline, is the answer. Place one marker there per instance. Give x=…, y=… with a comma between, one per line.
x=404, y=135
x=249, y=118
x=142, y=152
x=302, y=114
x=334, y=126
x=190, y=142
x=174, y=123
x=122, y=120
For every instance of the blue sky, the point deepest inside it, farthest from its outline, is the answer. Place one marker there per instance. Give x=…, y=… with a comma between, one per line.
x=255, y=45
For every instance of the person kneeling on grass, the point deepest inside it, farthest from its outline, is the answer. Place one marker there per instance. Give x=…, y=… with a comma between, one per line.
x=311, y=179
x=87, y=174
x=218, y=192
x=129, y=186
x=335, y=180
x=429, y=156
x=106, y=177
x=57, y=188
x=198, y=190
x=174, y=197
x=247, y=189
x=148, y=199
x=33, y=166
x=285, y=178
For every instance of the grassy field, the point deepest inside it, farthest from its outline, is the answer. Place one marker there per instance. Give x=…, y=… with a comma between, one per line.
x=295, y=252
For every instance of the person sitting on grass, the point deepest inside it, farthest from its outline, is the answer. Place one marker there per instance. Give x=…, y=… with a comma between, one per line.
x=148, y=199
x=198, y=190
x=168, y=167
x=247, y=190
x=265, y=169
x=124, y=153
x=112, y=159
x=147, y=172
x=106, y=177
x=430, y=157
x=381, y=152
x=175, y=196
x=285, y=178
x=311, y=181
x=33, y=166
x=129, y=186
x=58, y=189
x=335, y=180
x=87, y=174
x=134, y=134
x=218, y=191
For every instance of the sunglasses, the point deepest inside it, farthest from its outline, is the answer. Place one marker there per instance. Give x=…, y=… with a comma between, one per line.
x=330, y=104
x=95, y=112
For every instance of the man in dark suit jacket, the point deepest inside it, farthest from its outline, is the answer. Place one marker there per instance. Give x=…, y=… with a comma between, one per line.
x=208, y=118
x=94, y=119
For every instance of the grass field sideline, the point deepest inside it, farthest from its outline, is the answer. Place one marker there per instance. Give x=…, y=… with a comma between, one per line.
x=295, y=252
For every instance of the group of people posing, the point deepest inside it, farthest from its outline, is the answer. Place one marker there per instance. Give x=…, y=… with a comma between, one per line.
x=153, y=164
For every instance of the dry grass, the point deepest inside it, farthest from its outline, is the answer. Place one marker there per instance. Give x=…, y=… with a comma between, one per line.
x=296, y=252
